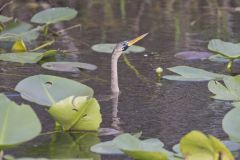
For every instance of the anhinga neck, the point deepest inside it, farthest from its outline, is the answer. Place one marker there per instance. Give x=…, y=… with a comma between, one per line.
x=114, y=71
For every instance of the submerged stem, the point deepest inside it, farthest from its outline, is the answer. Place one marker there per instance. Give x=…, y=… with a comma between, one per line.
x=45, y=30
x=230, y=66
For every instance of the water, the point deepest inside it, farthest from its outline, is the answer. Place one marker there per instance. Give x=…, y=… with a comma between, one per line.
x=166, y=111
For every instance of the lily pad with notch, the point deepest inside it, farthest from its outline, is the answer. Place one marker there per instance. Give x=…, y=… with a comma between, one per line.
x=228, y=92
x=26, y=57
x=73, y=67
x=187, y=73
x=193, y=55
x=226, y=49
x=54, y=15
x=108, y=48
x=133, y=147
x=77, y=113
x=47, y=90
x=18, y=123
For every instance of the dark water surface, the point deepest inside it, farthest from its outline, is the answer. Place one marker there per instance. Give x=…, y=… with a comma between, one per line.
x=166, y=111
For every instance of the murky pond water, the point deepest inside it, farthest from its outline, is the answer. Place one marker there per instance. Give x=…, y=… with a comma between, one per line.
x=166, y=111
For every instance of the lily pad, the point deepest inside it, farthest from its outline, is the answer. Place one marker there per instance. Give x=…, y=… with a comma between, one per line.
x=231, y=124
x=210, y=147
x=192, y=74
x=18, y=123
x=54, y=15
x=68, y=66
x=19, y=30
x=229, y=92
x=108, y=48
x=133, y=147
x=193, y=55
x=47, y=90
x=77, y=113
x=227, y=49
x=4, y=19
x=25, y=57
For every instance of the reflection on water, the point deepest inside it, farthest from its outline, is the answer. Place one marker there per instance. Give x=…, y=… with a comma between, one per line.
x=166, y=112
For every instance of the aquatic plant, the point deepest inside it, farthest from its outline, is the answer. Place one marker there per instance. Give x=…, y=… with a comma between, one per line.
x=18, y=124
x=230, y=91
x=26, y=57
x=21, y=33
x=70, y=103
x=133, y=147
x=73, y=67
x=194, y=145
x=228, y=50
x=231, y=124
x=108, y=48
x=77, y=113
x=47, y=90
x=187, y=73
x=53, y=15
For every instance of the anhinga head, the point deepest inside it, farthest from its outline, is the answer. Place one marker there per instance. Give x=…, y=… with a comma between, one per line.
x=123, y=46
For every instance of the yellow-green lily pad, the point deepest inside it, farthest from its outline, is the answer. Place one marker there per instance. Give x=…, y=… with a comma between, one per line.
x=77, y=113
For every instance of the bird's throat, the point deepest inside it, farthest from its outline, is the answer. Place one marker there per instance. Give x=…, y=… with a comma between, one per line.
x=114, y=72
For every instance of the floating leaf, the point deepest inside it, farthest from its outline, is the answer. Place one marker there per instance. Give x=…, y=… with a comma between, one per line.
x=4, y=19
x=192, y=74
x=193, y=55
x=227, y=49
x=108, y=48
x=47, y=90
x=24, y=57
x=19, y=30
x=77, y=113
x=19, y=46
x=210, y=147
x=18, y=123
x=231, y=124
x=133, y=147
x=106, y=148
x=229, y=92
x=54, y=15
x=68, y=66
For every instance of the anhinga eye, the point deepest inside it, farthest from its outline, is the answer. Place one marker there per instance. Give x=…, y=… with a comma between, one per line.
x=125, y=46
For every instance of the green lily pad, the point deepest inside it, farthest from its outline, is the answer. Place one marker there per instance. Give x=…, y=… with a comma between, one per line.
x=4, y=19
x=229, y=92
x=25, y=57
x=108, y=48
x=231, y=124
x=54, y=15
x=47, y=90
x=68, y=66
x=18, y=123
x=133, y=147
x=210, y=147
x=19, y=30
x=77, y=113
x=192, y=74
x=227, y=49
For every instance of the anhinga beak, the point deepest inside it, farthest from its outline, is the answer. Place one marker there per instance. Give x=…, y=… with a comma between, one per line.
x=135, y=40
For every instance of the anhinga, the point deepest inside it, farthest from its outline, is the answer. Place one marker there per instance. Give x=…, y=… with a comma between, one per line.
x=117, y=52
